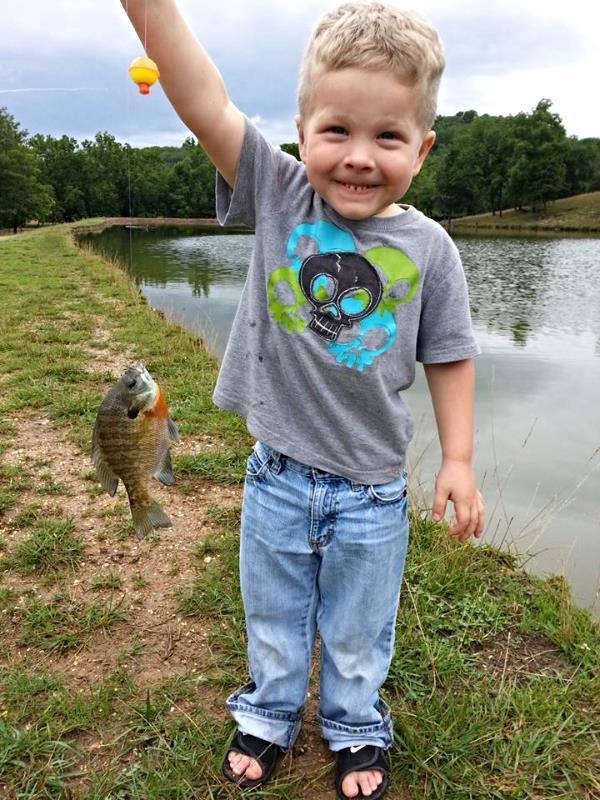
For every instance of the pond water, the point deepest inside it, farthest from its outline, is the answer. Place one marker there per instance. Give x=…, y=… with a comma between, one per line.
x=536, y=311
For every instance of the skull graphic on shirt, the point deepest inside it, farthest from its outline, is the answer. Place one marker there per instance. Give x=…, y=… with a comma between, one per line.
x=333, y=288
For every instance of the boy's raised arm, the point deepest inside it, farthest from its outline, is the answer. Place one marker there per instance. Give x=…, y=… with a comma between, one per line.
x=191, y=81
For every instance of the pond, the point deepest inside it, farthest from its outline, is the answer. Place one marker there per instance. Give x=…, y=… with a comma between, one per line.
x=536, y=310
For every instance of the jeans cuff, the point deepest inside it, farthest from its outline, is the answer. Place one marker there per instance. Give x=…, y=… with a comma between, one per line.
x=379, y=734
x=279, y=727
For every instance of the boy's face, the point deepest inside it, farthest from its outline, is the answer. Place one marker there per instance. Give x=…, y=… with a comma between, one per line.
x=361, y=141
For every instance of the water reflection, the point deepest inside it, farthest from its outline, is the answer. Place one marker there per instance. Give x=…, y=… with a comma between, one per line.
x=522, y=286
x=536, y=310
x=194, y=276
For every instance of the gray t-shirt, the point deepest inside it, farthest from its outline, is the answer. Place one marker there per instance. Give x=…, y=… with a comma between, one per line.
x=333, y=316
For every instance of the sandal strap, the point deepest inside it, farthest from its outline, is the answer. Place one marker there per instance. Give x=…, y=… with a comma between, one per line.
x=366, y=758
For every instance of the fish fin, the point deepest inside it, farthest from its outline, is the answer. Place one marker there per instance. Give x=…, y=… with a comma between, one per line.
x=173, y=432
x=146, y=518
x=164, y=473
x=106, y=476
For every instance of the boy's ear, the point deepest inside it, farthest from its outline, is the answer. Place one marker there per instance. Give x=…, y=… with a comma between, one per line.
x=426, y=145
x=301, y=137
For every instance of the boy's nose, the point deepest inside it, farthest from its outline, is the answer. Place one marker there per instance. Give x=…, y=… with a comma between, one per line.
x=359, y=156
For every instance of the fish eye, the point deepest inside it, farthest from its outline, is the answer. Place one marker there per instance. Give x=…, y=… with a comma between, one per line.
x=132, y=383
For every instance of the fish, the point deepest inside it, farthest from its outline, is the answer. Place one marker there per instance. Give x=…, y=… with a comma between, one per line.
x=131, y=442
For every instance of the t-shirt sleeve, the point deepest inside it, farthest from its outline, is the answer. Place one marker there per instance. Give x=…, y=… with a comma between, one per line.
x=261, y=173
x=445, y=329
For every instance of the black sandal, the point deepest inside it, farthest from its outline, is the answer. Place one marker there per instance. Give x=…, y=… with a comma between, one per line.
x=266, y=753
x=362, y=759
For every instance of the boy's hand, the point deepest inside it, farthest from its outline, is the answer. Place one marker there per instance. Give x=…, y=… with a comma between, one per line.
x=456, y=482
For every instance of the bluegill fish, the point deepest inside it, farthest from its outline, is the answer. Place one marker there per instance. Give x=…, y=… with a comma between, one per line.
x=131, y=440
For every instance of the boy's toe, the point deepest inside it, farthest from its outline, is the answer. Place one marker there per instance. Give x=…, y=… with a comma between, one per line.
x=350, y=785
x=250, y=761
x=369, y=781
x=253, y=770
x=361, y=784
x=361, y=772
x=244, y=765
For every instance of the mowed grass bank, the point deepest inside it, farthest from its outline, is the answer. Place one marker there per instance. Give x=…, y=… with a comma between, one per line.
x=116, y=655
x=579, y=214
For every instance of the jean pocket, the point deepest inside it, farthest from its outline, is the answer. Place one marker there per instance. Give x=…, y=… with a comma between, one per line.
x=387, y=493
x=258, y=462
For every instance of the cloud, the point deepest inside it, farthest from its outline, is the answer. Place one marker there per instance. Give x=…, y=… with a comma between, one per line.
x=502, y=58
x=502, y=43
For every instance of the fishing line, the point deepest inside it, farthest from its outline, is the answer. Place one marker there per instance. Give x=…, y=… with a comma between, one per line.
x=145, y=24
x=130, y=114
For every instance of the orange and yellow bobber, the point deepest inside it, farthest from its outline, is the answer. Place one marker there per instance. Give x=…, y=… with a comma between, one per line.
x=144, y=72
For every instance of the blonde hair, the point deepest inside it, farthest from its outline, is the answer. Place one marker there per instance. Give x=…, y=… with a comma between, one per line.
x=376, y=36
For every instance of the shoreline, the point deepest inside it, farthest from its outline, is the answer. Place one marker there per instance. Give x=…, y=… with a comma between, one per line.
x=556, y=231
x=100, y=223
x=511, y=223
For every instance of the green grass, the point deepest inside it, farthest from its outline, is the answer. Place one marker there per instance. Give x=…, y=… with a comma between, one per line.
x=111, y=581
x=495, y=681
x=12, y=483
x=60, y=624
x=222, y=468
x=52, y=547
x=577, y=214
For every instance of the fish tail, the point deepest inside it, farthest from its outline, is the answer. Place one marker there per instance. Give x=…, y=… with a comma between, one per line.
x=147, y=517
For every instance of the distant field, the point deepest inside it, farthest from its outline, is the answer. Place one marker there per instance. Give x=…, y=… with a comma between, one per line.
x=579, y=213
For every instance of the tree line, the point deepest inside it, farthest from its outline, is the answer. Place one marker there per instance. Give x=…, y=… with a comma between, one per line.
x=51, y=179
x=479, y=163
x=490, y=163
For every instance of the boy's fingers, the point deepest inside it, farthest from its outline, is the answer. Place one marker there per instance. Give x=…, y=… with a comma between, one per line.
x=475, y=525
x=462, y=511
x=469, y=515
x=439, y=506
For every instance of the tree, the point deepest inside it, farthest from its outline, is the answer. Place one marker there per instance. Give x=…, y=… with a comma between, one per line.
x=106, y=176
x=459, y=178
x=292, y=148
x=423, y=192
x=148, y=179
x=538, y=171
x=582, y=165
x=192, y=183
x=62, y=166
x=491, y=145
x=23, y=195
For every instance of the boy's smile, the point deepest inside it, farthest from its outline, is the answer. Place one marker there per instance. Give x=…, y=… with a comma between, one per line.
x=362, y=142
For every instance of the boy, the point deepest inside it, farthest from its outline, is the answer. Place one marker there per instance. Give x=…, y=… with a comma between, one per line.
x=346, y=290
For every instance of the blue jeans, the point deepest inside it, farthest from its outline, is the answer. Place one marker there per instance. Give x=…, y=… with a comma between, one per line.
x=318, y=550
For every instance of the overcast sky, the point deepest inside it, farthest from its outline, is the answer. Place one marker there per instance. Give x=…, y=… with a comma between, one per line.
x=63, y=63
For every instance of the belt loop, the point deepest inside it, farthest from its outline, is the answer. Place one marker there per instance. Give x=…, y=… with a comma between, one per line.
x=276, y=463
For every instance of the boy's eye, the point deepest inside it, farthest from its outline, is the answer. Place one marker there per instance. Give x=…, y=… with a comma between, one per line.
x=388, y=135
x=337, y=129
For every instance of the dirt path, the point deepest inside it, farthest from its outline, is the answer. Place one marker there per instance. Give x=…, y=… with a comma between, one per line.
x=149, y=572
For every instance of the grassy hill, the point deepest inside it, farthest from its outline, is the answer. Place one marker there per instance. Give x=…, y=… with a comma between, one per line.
x=579, y=213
